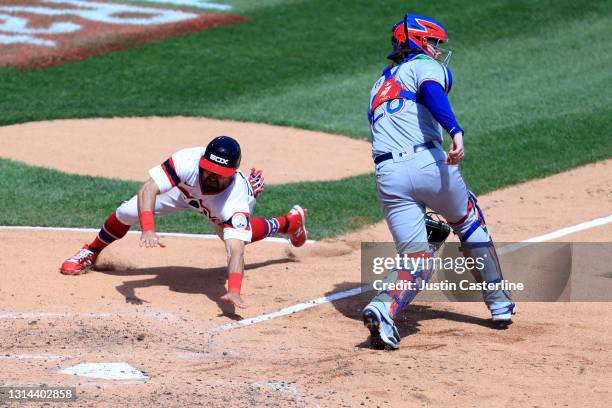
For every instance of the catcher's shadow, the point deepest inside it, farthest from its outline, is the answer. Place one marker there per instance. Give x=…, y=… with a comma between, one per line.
x=183, y=279
x=408, y=322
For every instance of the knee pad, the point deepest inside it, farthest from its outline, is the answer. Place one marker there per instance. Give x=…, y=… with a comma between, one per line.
x=472, y=227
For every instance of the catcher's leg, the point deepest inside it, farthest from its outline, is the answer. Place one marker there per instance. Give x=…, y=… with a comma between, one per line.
x=380, y=313
x=407, y=223
x=476, y=243
x=450, y=197
x=405, y=219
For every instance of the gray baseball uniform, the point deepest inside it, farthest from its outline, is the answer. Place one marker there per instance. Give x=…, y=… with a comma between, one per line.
x=411, y=175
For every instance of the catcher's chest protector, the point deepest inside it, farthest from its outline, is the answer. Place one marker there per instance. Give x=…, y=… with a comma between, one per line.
x=390, y=89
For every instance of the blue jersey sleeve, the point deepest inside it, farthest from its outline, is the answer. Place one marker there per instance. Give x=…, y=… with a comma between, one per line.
x=431, y=94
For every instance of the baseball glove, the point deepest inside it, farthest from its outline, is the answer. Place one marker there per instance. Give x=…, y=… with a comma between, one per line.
x=437, y=230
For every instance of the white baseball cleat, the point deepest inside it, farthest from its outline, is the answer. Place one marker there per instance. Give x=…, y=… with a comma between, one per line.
x=383, y=333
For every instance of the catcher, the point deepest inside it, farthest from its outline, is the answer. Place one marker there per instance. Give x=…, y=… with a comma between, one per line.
x=409, y=110
x=207, y=180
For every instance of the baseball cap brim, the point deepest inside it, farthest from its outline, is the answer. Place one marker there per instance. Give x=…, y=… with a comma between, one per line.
x=216, y=168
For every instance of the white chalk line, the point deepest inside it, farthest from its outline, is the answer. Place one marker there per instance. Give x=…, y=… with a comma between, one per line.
x=32, y=357
x=356, y=291
x=158, y=314
x=277, y=240
x=597, y=222
x=292, y=309
x=44, y=315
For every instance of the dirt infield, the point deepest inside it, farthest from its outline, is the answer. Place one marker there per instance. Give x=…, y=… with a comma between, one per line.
x=142, y=143
x=158, y=310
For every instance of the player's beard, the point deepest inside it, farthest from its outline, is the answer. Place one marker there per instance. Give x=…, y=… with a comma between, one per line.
x=214, y=185
x=210, y=185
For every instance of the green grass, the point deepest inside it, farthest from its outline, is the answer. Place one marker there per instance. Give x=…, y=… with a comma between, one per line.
x=290, y=52
x=537, y=148
x=51, y=198
x=532, y=89
x=57, y=199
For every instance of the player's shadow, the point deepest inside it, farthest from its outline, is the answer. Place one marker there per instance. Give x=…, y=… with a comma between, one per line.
x=206, y=281
x=409, y=320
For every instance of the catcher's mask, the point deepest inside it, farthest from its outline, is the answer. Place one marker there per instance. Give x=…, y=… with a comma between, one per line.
x=419, y=34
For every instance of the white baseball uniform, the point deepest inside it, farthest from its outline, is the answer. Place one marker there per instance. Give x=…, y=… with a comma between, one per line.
x=178, y=181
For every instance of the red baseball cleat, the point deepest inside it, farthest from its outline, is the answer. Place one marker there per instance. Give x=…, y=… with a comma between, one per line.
x=79, y=263
x=297, y=226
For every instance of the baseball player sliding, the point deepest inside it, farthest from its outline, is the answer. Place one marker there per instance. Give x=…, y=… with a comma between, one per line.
x=207, y=180
x=409, y=110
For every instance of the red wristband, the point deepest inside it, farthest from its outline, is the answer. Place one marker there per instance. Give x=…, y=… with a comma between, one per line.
x=234, y=282
x=147, y=221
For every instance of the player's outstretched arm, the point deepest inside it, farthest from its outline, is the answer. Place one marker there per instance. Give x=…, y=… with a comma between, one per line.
x=146, y=205
x=235, y=271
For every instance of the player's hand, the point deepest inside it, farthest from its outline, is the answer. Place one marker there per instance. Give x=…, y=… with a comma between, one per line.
x=234, y=299
x=256, y=180
x=455, y=152
x=149, y=239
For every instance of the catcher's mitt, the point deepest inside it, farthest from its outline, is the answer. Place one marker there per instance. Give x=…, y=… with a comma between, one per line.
x=437, y=230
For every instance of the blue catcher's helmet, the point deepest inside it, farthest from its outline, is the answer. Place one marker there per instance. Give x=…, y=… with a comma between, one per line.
x=419, y=34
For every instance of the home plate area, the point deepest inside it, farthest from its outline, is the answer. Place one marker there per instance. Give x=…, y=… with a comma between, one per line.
x=145, y=330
